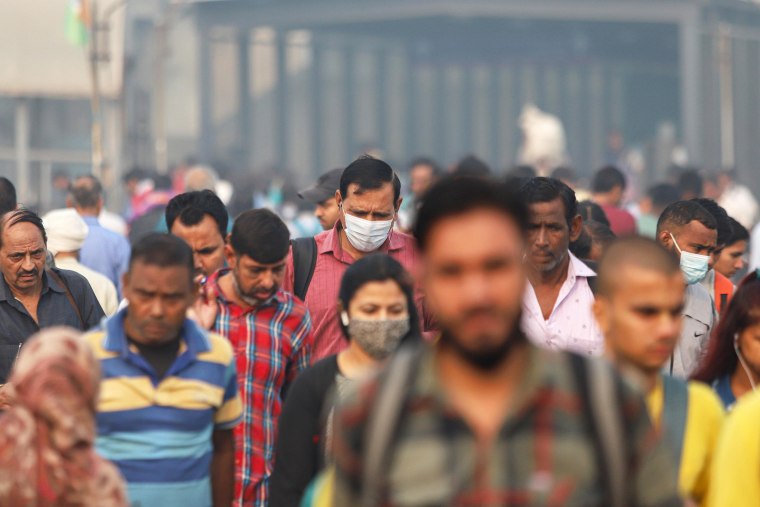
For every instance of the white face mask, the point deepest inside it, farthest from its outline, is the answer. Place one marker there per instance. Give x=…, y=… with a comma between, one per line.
x=366, y=235
x=693, y=266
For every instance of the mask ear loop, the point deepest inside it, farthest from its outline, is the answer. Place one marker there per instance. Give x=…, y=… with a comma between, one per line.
x=344, y=318
x=741, y=360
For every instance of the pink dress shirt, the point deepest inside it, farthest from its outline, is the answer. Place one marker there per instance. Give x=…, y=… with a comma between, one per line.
x=571, y=325
x=322, y=295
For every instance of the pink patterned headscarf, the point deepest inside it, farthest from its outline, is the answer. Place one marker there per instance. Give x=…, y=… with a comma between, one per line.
x=47, y=431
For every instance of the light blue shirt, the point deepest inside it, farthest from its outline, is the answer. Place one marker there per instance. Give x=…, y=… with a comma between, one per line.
x=105, y=251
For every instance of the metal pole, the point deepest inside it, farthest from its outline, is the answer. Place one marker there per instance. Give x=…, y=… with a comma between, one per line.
x=97, y=127
x=159, y=85
x=725, y=76
x=22, y=148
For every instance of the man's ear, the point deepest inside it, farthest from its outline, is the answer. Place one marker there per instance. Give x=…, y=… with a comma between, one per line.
x=665, y=240
x=230, y=255
x=398, y=203
x=576, y=226
x=600, y=309
x=338, y=198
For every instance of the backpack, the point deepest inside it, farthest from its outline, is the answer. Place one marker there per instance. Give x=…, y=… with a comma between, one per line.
x=304, y=262
x=598, y=391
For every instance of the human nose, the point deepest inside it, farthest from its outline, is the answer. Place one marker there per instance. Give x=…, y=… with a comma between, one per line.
x=542, y=237
x=27, y=264
x=156, y=308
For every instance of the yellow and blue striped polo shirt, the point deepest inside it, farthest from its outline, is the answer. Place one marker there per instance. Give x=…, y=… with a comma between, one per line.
x=159, y=431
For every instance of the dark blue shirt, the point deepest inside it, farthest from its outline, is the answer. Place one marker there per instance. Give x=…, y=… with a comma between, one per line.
x=722, y=388
x=53, y=309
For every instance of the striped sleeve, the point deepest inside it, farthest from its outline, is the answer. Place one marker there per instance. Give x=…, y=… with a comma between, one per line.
x=302, y=340
x=231, y=411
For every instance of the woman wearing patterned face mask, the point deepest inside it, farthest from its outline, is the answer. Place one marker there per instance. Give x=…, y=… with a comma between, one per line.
x=377, y=315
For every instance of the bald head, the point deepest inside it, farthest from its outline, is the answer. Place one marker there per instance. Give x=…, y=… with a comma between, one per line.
x=636, y=252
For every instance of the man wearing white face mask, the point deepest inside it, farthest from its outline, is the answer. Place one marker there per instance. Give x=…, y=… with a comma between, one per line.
x=690, y=231
x=368, y=199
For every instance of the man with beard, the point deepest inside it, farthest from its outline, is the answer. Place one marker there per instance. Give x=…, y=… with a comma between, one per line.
x=270, y=331
x=32, y=297
x=557, y=304
x=482, y=417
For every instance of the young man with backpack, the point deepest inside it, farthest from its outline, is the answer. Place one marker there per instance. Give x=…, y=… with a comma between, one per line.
x=482, y=417
x=640, y=297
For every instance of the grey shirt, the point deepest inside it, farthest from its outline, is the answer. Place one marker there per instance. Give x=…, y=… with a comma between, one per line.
x=53, y=309
x=698, y=320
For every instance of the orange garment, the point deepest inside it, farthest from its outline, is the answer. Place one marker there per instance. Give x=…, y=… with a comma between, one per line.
x=724, y=290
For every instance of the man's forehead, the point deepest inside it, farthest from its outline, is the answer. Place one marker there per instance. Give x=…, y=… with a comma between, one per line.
x=250, y=262
x=356, y=192
x=696, y=231
x=21, y=232
x=551, y=208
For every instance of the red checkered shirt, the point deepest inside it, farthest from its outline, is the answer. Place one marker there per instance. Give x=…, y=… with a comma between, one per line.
x=322, y=295
x=272, y=343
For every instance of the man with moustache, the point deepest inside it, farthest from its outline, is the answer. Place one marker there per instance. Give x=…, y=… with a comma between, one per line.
x=482, y=417
x=557, y=303
x=270, y=331
x=32, y=297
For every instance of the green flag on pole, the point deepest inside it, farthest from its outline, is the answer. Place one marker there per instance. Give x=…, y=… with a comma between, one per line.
x=77, y=22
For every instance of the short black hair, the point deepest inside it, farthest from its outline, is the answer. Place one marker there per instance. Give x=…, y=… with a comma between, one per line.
x=663, y=194
x=720, y=216
x=681, y=213
x=564, y=173
x=8, y=200
x=163, y=250
x=472, y=166
x=607, y=178
x=540, y=189
x=690, y=181
x=20, y=216
x=379, y=267
x=738, y=232
x=261, y=235
x=427, y=162
x=456, y=196
x=591, y=211
x=369, y=173
x=86, y=191
x=191, y=207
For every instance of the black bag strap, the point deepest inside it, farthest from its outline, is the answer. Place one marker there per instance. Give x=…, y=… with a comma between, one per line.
x=59, y=280
x=304, y=262
x=601, y=400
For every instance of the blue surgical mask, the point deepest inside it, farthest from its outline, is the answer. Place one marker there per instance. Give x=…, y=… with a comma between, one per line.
x=693, y=266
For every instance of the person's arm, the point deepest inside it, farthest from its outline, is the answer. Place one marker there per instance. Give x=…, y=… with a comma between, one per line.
x=223, y=468
x=298, y=434
x=301, y=341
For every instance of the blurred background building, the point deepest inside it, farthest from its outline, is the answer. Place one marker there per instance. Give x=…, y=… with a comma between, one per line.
x=302, y=86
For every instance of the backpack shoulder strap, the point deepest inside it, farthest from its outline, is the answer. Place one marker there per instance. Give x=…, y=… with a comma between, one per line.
x=383, y=422
x=304, y=262
x=602, y=404
x=674, y=411
x=59, y=280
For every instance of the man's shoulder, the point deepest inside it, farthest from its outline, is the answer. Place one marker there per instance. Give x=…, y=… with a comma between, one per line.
x=74, y=281
x=293, y=306
x=220, y=350
x=705, y=402
x=96, y=339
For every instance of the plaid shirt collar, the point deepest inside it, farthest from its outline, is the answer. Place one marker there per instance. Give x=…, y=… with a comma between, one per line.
x=212, y=285
x=535, y=379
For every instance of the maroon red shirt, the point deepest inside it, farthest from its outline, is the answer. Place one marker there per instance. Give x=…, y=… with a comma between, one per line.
x=622, y=223
x=322, y=295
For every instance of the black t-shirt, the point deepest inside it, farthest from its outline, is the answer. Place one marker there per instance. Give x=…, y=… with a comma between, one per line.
x=160, y=357
x=299, y=452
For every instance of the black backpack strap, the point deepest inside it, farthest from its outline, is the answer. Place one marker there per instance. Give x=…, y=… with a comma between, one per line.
x=304, y=262
x=601, y=403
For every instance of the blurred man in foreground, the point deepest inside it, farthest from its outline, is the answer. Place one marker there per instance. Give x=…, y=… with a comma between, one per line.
x=482, y=417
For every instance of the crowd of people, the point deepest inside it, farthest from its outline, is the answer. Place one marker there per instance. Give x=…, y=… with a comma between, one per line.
x=470, y=340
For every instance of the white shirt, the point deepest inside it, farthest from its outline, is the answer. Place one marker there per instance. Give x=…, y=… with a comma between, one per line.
x=698, y=320
x=104, y=289
x=571, y=325
x=740, y=204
